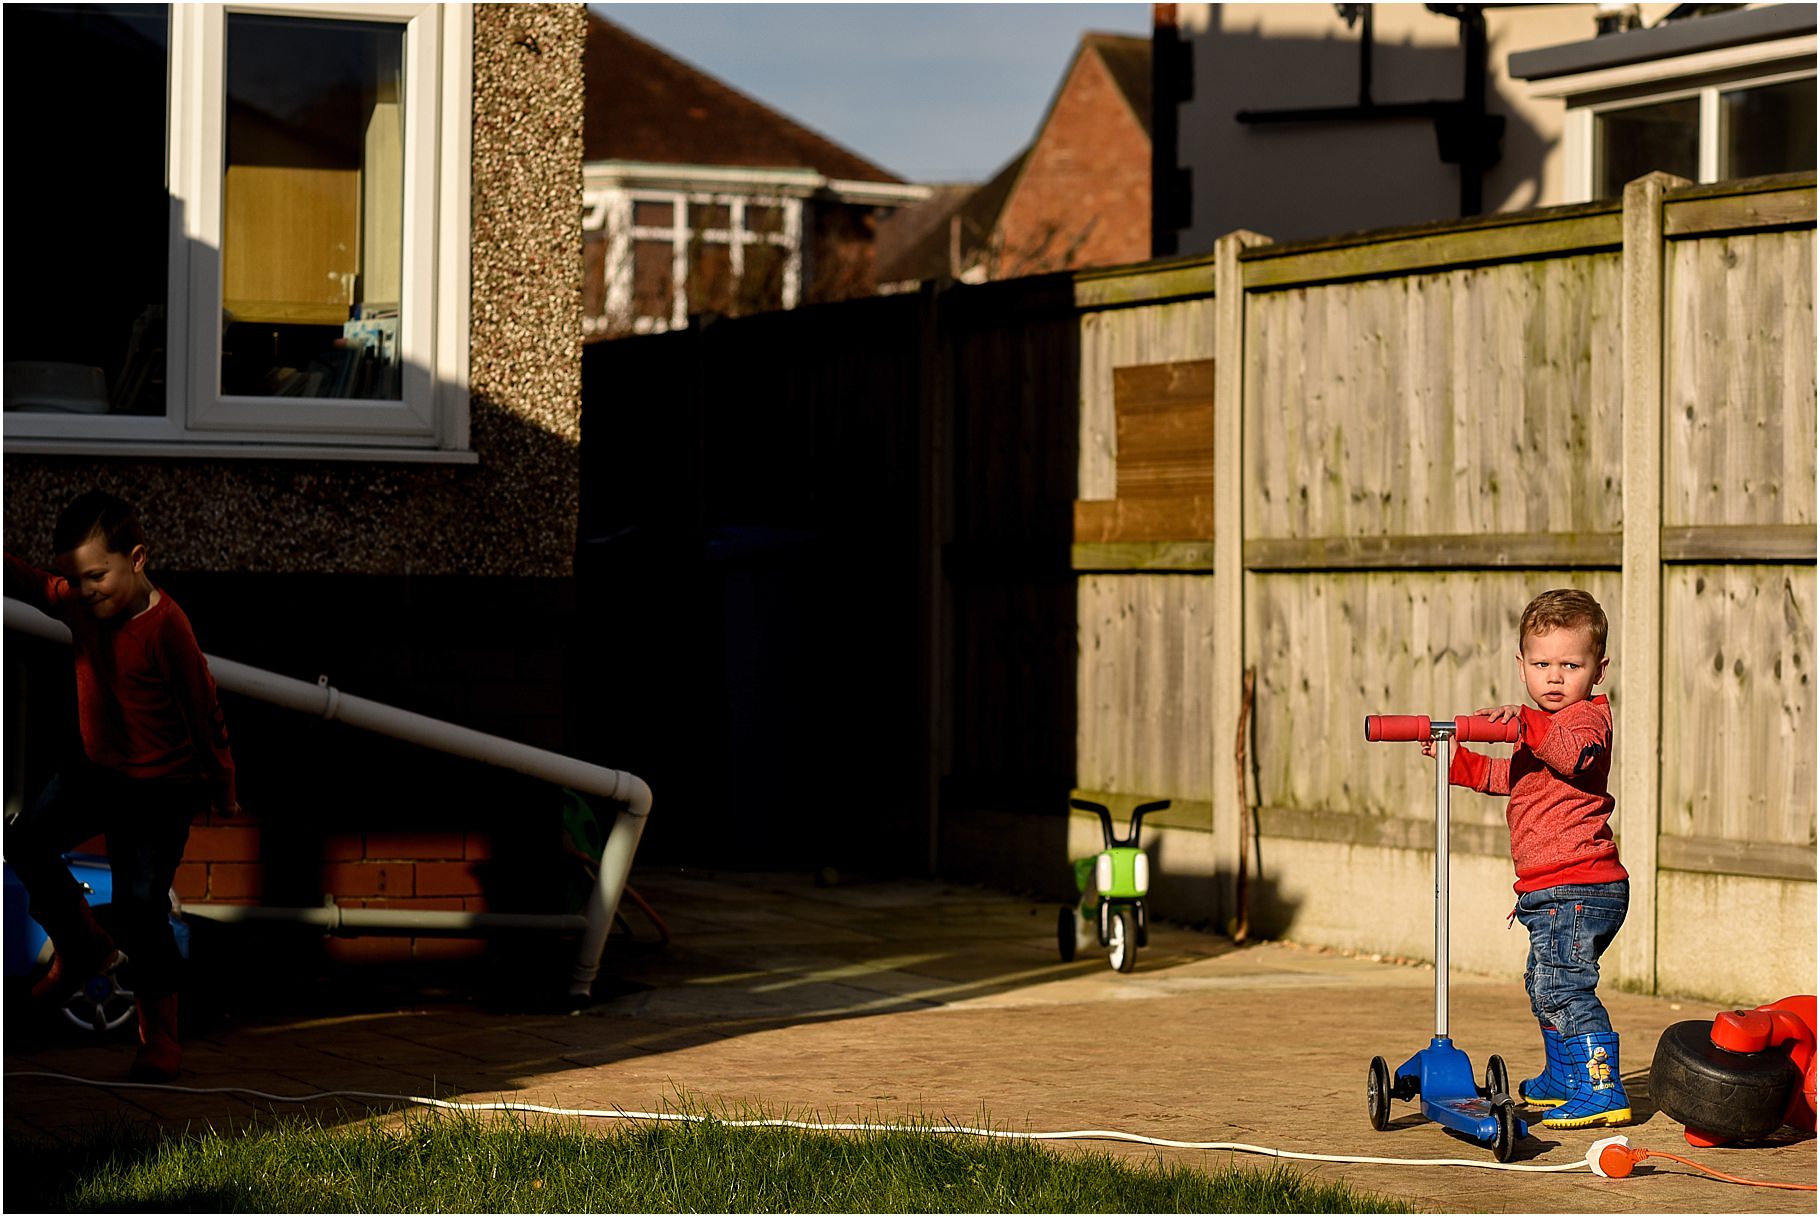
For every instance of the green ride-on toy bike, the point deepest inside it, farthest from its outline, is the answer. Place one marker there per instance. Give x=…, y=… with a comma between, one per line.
x=1113, y=884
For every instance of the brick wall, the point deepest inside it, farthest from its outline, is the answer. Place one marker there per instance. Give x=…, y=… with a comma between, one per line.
x=1083, y=198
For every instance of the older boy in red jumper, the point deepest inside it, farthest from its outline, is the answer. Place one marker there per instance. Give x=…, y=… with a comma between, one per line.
x=155, y=755
x=1572, y=892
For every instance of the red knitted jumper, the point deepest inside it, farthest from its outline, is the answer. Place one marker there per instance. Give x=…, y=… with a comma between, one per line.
x=145, y=700
x=1560, y=812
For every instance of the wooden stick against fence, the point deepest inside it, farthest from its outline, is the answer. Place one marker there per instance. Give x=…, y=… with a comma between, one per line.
x=1240, y=926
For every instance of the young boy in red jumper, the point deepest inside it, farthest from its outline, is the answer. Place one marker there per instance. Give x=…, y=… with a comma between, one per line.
x=155, y=755
x=1572, y=892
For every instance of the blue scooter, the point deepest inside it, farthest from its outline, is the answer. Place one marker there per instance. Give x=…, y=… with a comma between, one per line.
x=1441, y=1074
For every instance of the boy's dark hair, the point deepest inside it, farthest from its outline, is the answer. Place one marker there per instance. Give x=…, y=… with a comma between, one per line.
x=98, y=513
x=1566, y=608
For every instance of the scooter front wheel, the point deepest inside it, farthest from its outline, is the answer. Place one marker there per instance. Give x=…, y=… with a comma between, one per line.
x=1123, y=947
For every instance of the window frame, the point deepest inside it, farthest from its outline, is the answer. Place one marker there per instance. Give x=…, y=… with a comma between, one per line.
x=1581, y=136
x=612, y=209
x=432, y=420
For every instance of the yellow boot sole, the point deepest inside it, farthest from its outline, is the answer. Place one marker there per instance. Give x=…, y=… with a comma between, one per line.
x=1608, y=1119
x=1529, y=1102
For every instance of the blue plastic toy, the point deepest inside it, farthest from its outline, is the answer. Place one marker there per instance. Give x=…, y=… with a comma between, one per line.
x=1440, y=1074
x=103, y=1003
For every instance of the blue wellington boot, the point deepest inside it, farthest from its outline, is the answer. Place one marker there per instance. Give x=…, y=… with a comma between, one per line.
x=1555, y=1084
x=1598, y=1097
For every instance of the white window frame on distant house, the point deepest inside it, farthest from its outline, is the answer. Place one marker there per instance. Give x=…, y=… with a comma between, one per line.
x=610, y=188
x=736, y=237
x=431, y=420
x=1704, y=76
x=612, y=209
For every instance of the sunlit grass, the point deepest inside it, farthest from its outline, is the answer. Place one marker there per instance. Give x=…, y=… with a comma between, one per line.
x=463, y=1163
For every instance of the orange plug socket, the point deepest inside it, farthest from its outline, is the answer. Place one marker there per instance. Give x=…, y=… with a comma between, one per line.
x=1613, y=1158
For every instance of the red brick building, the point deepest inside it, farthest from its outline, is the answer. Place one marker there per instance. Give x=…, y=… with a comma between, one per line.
x=1077, y=196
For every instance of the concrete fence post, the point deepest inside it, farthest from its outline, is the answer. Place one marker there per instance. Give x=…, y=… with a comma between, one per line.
x=1639, y=626
x=1228, y=550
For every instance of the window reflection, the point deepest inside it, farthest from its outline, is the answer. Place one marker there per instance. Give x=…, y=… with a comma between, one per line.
x=1664, y=137
x=1767, y=129
x=312, y=245
x=88, y=217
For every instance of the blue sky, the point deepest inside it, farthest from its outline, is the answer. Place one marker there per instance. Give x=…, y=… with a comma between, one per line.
x=932, y=92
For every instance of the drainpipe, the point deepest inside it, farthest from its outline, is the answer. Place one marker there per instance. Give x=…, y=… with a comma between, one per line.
x=326, y=701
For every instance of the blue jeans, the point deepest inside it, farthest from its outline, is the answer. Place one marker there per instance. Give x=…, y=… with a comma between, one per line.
x=1569, y=928
x=147, y=823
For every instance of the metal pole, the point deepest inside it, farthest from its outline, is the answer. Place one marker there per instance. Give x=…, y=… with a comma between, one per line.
x=1443, y=740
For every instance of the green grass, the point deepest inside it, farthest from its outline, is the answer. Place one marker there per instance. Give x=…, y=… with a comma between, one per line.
x=439, y=1163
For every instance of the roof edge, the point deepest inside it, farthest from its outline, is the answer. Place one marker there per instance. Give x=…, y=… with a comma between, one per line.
x=1664, y=41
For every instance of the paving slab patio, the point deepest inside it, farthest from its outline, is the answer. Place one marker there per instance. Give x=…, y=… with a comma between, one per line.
x=916, y=1000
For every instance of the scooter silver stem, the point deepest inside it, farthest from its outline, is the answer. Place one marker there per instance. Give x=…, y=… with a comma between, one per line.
x=1442, y=735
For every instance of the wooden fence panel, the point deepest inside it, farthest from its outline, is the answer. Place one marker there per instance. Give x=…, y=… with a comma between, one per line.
x=1738, y=425
x=1015, y=386
x=1117, y=338
x=1738, y=704
x=1145, y=676
x=1334, y=646
x=1474, y=401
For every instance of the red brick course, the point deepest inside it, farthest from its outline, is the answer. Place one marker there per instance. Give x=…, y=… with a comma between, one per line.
x=388, y=879
x=447, y=879
x=235, y=880
x=210, y=844
x=414, y=845
x=192, y=881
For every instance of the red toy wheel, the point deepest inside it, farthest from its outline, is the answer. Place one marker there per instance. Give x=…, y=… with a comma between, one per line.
x=1727, y=1096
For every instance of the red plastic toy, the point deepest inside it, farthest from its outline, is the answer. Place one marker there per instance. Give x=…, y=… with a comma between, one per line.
x=1743, y=1077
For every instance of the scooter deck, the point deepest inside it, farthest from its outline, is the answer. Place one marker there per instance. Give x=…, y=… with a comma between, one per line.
x=1448, y=1094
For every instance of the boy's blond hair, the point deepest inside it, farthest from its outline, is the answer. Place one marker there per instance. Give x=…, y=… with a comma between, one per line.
x=1565, y=608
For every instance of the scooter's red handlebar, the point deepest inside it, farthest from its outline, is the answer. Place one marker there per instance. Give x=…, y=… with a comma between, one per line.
x=1379, y=727
x=1474, y=727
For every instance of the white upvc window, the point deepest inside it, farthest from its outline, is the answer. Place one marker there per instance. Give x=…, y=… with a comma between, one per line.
x=668, y=253
x=1709, y=115
x=1712, y=132
x=312, y=296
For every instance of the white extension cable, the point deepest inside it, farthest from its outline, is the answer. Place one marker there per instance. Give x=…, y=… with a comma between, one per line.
x=614, y=1113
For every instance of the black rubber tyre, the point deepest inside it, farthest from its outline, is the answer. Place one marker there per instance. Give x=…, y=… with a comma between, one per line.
x=1377, y=1094
x=1740, y=1096
x=1064, y=934
x=1143, y=923
x=1124, y=944
x=1504, y=1145
x=1497, y=1078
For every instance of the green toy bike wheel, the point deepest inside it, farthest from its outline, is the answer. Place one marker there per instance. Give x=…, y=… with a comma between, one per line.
x=1064, y=934
x=1123, y=946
